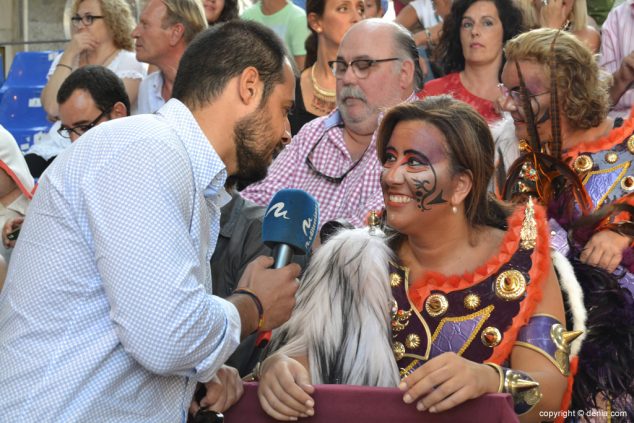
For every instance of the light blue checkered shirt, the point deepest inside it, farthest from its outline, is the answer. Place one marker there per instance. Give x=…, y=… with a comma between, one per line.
x=106, y=313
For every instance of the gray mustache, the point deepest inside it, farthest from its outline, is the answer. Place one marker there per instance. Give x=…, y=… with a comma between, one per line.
x=351, y=91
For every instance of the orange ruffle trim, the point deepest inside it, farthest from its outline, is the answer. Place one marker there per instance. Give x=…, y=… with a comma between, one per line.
x=565, y=401
x=421, y=288
x=616, y=136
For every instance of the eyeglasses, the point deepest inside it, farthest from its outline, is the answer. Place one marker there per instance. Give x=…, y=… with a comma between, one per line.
x=87, y=20
x=329, y=178
x=516, y=97
x=360, y=67
x=79, y=130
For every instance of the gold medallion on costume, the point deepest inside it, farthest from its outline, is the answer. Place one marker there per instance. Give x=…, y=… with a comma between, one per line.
x=398, y=349
x=510, y=285
x=436, y=305
x=491, y=337
x=471, y=301
x=611, y=157
x=395, y=280
x=412, y=341
x=627, y=183
x=583, y=163
x=630, y=144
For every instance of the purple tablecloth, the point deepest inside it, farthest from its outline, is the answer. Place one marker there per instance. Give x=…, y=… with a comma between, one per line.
x=345, y=403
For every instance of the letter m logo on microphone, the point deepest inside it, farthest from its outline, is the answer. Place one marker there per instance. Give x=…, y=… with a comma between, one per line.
x=278, y=211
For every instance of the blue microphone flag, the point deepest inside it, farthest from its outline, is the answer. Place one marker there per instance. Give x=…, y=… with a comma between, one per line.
x=291, y=218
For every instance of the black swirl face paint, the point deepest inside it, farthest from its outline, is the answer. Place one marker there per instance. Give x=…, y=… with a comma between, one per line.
x=426, y=195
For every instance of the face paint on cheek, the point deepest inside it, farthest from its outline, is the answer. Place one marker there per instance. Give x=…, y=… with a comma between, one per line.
x=426, y=191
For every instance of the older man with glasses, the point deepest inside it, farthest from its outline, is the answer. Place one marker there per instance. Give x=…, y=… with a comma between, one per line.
x=333, y=157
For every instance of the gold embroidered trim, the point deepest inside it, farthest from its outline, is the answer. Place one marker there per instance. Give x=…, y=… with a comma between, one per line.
x=624, y=167
x=486, y=312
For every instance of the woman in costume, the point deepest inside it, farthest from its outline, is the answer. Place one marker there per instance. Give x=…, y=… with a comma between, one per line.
x=459, y=288
x=579, y=164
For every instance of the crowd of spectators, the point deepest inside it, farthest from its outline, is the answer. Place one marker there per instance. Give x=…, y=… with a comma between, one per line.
x=474, y=152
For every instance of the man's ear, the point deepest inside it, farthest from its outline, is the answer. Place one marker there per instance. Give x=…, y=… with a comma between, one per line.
x=177, y=31
x=249, y=86
x=118, y=110
x=407, y=73
x=462, y=185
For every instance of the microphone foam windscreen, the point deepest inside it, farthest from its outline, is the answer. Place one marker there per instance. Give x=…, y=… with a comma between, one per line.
x=292, y=218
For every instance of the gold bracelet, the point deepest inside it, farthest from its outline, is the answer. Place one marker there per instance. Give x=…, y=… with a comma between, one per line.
x=500, y=374
x=64, y=66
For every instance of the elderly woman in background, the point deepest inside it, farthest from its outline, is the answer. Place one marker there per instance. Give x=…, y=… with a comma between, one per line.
x=569, y=15
x=315, y=93
x=101, y=35
x=217, y=11
x=580, y=166
x=453, y=262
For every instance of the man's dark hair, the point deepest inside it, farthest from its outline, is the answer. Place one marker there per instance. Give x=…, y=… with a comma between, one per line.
x=104, y=87
x=221, y=53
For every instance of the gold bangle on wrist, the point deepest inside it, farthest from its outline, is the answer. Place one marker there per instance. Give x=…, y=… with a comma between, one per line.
x=500, y=373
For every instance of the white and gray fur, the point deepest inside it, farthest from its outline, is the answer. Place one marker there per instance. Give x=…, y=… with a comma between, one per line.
x=342, y=317
x=574, y=294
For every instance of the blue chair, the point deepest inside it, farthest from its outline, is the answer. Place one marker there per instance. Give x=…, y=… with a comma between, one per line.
x=22, y=114
x=29, y=69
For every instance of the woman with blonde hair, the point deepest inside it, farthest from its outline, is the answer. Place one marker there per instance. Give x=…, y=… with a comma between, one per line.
x=101, y=35
x=578, y=162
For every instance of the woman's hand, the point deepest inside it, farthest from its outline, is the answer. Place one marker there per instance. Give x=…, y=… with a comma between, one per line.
x=555, y=13
x=285, y=389
x=224, y=390
x=605, y=250
x=80, y=42
x=447, y=381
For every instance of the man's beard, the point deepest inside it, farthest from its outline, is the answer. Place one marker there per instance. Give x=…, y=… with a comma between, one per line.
x=253, y=162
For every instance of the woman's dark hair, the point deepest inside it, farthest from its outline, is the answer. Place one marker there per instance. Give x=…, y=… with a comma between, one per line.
x=229, y=12
x=317, y=7
x=470, y=149
x=448, y=52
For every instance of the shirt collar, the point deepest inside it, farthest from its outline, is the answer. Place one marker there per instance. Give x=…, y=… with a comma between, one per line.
x=210, y=173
